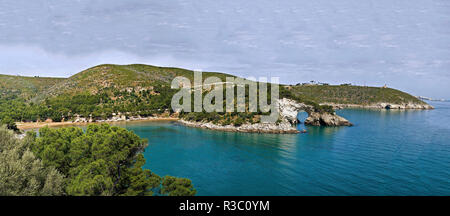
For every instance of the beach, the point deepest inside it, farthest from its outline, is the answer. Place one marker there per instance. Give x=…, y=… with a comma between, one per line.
x=37, y=125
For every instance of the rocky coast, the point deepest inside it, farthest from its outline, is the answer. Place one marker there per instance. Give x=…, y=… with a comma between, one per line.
x=404, y=106
x=282, y=127
x=288, y=110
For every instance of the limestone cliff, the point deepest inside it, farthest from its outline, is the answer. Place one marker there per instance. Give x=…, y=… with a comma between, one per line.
x=290, y=108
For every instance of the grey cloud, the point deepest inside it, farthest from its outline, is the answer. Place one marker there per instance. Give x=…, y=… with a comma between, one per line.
x=401, y=43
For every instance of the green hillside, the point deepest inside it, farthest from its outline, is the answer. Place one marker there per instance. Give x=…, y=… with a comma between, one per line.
x=347, y=94
x=110, y=78
x=25, y=87
x=101, y=91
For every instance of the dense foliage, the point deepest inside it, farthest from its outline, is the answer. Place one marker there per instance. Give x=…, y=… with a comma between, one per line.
x=102, y=161
x=22, y=173
x=98, y=106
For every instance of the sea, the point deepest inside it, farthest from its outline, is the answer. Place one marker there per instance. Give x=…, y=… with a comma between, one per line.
x=386, y=152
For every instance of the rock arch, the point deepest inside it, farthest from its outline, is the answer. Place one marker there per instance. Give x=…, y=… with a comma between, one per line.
x=289, y=109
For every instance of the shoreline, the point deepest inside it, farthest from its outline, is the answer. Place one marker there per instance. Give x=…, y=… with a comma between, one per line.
x=37, y=125
x=381, y=106
x=265, y=128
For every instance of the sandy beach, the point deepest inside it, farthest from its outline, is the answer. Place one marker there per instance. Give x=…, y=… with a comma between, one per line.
x=36, y=125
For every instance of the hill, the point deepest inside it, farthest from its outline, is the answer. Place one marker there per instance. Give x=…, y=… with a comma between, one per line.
x=348, y=94
x=25, y=87
x=111, y=78
x=102, y=91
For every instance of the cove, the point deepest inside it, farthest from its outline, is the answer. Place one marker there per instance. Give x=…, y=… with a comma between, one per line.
x=386, y=152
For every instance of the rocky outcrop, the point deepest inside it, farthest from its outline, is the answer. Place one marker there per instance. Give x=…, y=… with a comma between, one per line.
x=406, y=106
x=289, y=109
x=282, y=127
x=326, y=119
x=383, y=106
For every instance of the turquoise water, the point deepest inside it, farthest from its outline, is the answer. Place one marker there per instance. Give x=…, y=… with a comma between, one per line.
x=386, y=153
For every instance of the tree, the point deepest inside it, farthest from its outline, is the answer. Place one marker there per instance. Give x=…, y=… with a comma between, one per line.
x=21, y=173
x=9, y=122
x=174, y=186
x=103, y=161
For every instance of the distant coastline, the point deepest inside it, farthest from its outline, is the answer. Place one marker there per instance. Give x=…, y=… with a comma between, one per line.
x=432, y=99
x=381, y=106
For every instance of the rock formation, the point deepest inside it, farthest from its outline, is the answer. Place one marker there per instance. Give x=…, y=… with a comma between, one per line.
x=289, y=109
x=326, y=119
x=383, y=106
x=282, y=127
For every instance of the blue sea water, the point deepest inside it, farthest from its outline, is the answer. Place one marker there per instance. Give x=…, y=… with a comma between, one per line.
x=386, y=152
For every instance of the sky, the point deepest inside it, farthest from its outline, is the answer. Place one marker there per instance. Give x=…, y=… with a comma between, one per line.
x=402, y=43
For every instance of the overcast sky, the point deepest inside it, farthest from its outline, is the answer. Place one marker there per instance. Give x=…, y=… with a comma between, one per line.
x=403, y=43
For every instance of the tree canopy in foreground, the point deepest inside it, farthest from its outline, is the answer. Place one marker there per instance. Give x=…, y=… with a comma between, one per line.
x=103, y=160
x=21, y=173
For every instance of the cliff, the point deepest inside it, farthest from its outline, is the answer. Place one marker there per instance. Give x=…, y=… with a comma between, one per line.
x=290, y=108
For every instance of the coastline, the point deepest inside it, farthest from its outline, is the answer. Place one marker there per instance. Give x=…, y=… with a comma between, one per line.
x=37, y=125
x=380, y=106
x=246, y=128
x=282, y=128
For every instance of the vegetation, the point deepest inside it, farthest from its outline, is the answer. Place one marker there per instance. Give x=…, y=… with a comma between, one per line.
x=144, y=90
x=98, y=92
x=348, y=94
x=22, y=173
x=105, y=160
x=102, y=161
x=25, y=87
x=308, y=100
